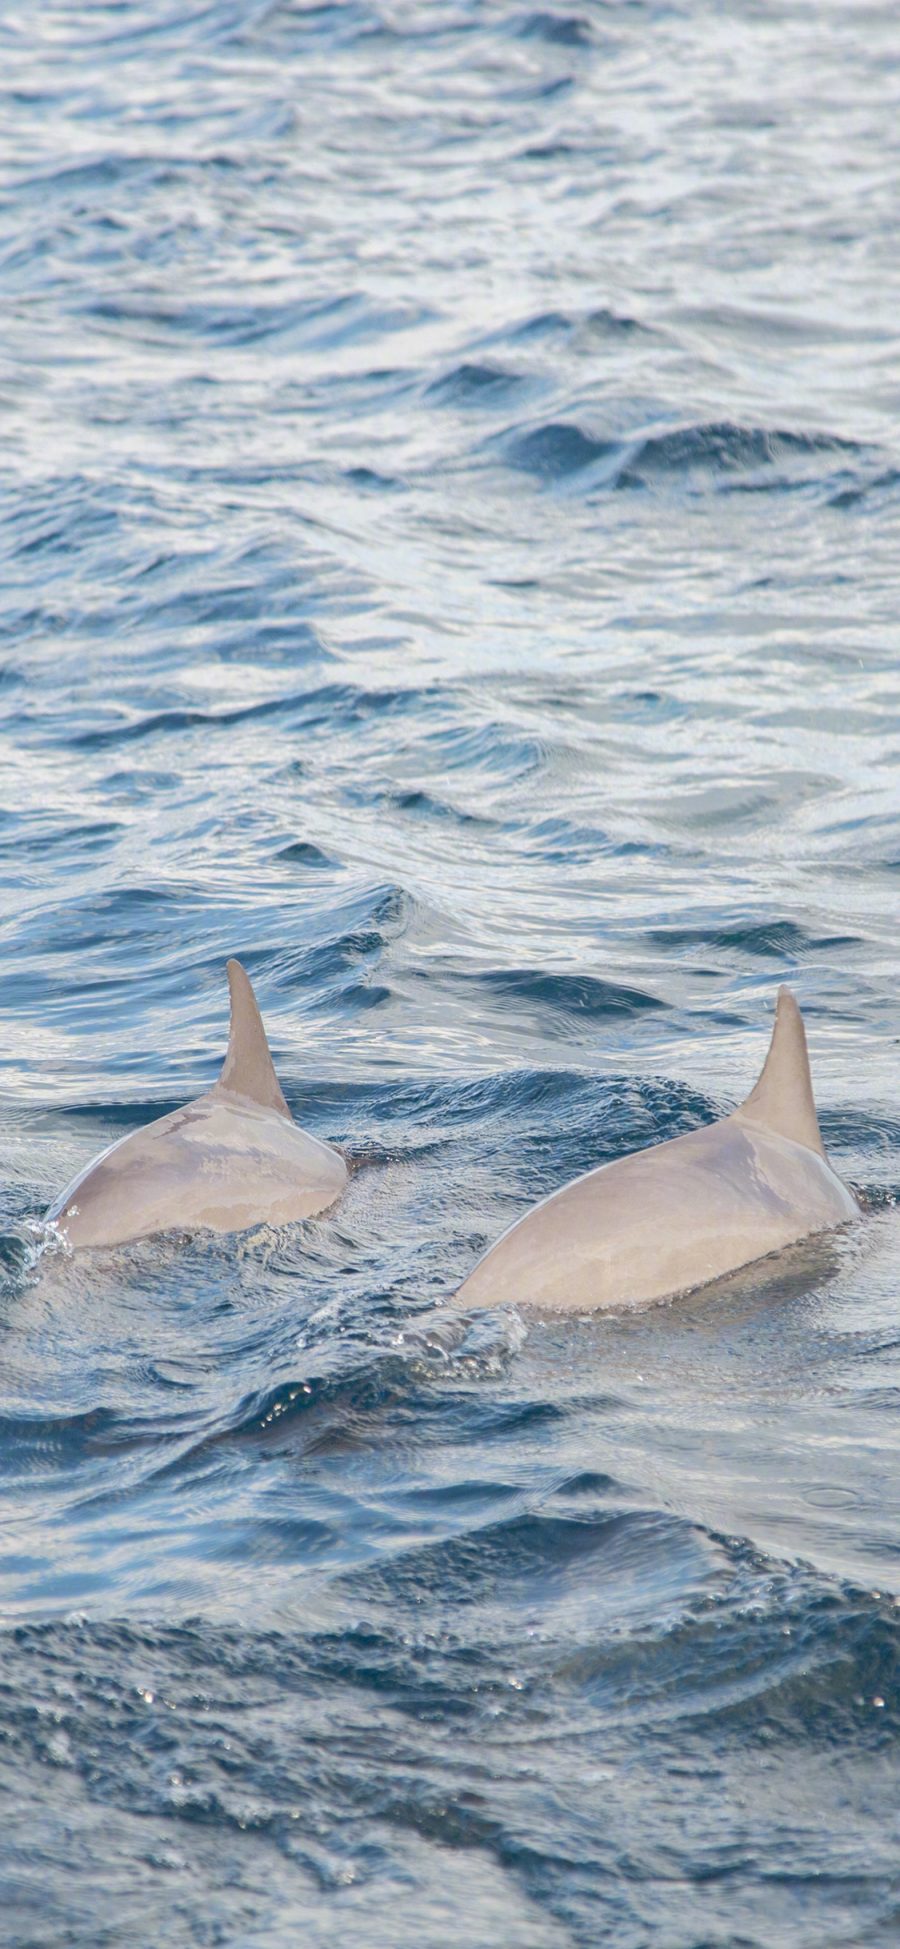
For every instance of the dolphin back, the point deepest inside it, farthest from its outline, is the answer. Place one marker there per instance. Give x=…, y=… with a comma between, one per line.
x=215, y=1164
x=230, y=1159
x=248, y=1069
x=665, y=1220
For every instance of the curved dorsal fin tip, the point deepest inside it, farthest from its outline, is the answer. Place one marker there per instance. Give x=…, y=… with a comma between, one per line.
x=248, y=1069
x=782, y=1099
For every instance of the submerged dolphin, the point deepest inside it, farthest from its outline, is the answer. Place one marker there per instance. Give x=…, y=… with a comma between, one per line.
x=233, y=1157
x=673, y=1217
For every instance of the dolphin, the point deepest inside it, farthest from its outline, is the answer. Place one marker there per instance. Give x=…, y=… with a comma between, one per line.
x=231, y=1158
x=666, y=1220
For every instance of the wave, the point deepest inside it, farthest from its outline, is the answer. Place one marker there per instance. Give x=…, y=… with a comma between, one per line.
x=719, y=453
x=334, y=705
x=566, y=994
x=476, y=383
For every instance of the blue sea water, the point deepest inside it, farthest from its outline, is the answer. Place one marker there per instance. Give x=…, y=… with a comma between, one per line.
x=450, y=537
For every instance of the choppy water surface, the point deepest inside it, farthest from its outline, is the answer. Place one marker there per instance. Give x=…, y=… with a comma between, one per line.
x=449, y=526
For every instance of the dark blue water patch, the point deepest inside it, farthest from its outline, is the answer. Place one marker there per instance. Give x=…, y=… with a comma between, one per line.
x=372, y=482
x=289, y=31
x=211, y=1424
x=463, y=1100
x=419, y=804
x=811, y=1661
x=566, y=995
x=342, y=964
x=74, y=840
x=378, y=1397
x=651, y=706
x=603, y=1120
x=534, y=1561
x=424, y=805
x=321, y=706
x=302, y=852
x=14, y=1250
x=348, y=318
x=558, y=450
x=882, y=487
x=605, y=323
x=534, y=1130
x=85, y=183
x=864, y=1130
x=568, y=842
x=23, y=621
x=713, y=453
x=218, y=613
x=548, y=152
x=543, y=90
x=337, y=1747
x=721, y=450
x=539, y=325
x=777, y=940
x=127, y=730
x=61, y=519
x=132, y=916
x=378, y=385
x=624, y=1110
x=477, y=384
x=492, y=746
x=557, y=29
x=43, y=1443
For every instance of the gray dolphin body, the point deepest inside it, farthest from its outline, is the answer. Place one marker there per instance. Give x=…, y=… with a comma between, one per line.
x=674, y=1217
x=230, y=1159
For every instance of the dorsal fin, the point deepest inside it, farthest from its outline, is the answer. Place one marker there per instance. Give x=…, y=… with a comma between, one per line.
x=783, y=1098
x=248, y=1065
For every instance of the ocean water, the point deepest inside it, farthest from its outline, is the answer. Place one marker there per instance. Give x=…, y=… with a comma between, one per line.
x=450, y=532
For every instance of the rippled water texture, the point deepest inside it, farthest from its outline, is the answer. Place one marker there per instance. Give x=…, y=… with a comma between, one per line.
x=449, y=503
